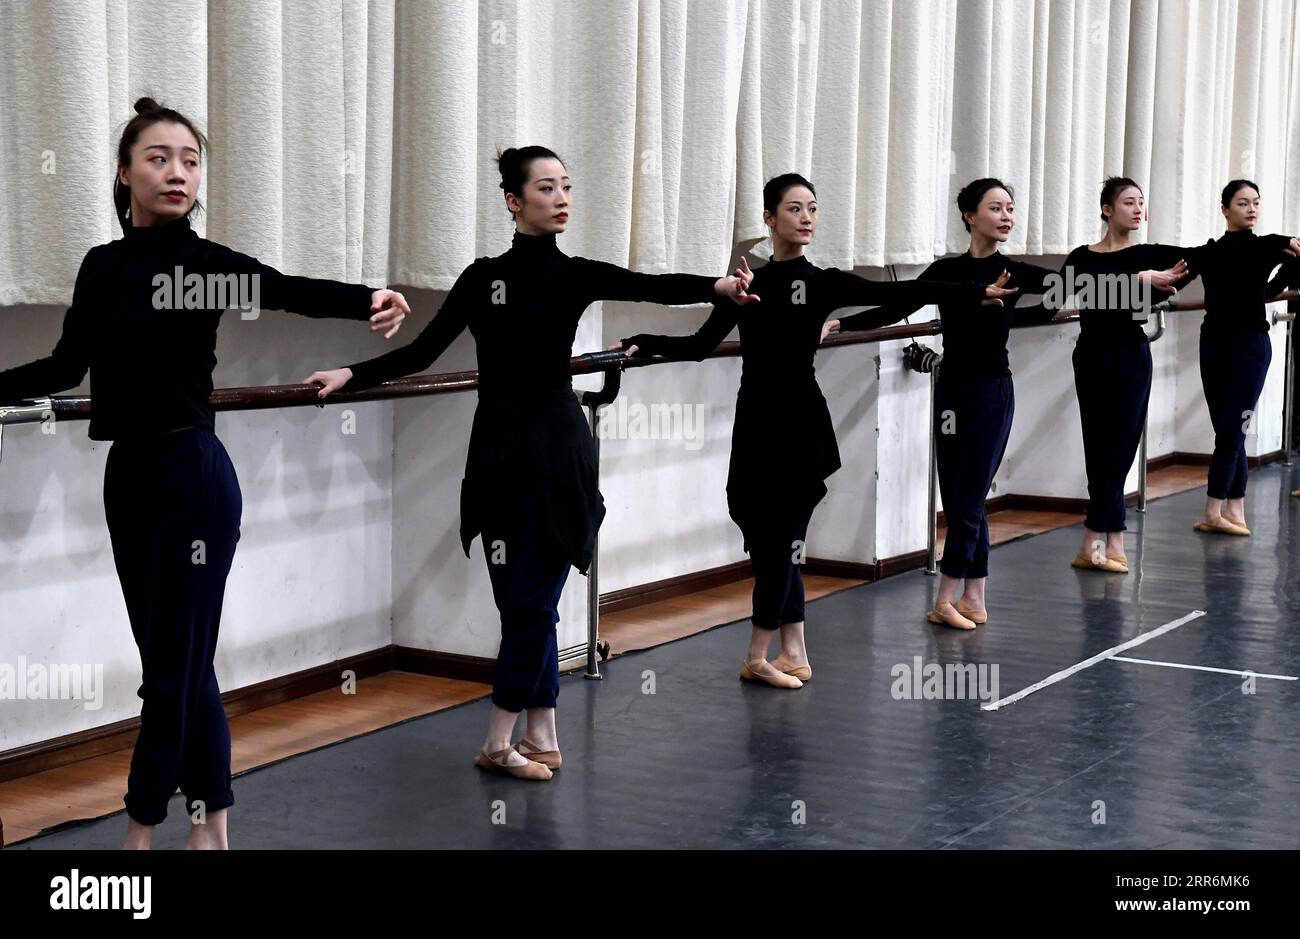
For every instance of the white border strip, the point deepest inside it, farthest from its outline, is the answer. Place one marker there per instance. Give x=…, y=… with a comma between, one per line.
x=1087, y=663
x=1204, y=668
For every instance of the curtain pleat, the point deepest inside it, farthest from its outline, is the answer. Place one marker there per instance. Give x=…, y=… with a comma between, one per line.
x=356, y=139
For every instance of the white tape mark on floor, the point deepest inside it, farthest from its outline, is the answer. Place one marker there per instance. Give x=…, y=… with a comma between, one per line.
x=1088, y=663
x=1204, y=668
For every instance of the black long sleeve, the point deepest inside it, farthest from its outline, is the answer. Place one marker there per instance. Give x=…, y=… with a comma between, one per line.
x=144, y=320
x=1288, y=275
x=66, y=366
x=1286, y=278
x=896, y=298
x=1032, y=280
x=884, y=316
x=722, y=320
x=1236, y=269
x=940, y=283
x=314, y=297
x=604, y=281
x=1033, y=315
x=1162, y=257
x=413, y=358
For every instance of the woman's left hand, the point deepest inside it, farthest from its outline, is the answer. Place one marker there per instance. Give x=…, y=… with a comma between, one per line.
x=390, y=308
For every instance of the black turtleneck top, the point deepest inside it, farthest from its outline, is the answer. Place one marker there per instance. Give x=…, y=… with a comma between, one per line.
x=1234, y=269
x=530, y=446
x=975, y=335
x=778, y=399
x=151, y=366
x=1113, y=307
x=522, y=308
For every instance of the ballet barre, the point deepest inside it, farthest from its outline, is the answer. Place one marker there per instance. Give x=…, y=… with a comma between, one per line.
x=611, y=363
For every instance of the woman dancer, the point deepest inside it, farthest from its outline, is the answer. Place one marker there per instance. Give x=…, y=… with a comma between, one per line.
x=169, y=484
x=974, y=395
x=779, y=400
x=530, y=481
x=1235, y=345
x=1115, y=282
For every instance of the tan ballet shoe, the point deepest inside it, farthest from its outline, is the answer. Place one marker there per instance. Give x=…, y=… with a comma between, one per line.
x=549, y=758
x=978, y=617
x=779, y=680
x=1120, y=559
x=945, y=614
x=801, y=672
x=1295, y=493
x=1239, y=525
x=496, y=763
x=1220, y=526
x=1085, y=563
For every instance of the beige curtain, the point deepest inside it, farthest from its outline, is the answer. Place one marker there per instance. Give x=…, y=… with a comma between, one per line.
x=355, y=140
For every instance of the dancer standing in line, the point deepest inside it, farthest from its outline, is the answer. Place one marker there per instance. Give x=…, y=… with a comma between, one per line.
x=171, y=496
x=1114, y=283
x=771, y=491
x=530, y=481
x=974, y=395
x=1235, y=345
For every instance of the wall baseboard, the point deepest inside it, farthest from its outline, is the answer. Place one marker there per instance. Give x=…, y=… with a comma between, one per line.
x=671, y=587
x=443, y=664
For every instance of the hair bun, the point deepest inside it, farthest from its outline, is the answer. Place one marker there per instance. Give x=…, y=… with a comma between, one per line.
x=145, y=105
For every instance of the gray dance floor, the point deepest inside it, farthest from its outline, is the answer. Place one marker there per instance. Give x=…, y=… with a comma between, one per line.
x=1117, y=754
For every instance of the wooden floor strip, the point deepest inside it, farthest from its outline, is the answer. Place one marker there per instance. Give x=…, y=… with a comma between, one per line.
x=92, y=788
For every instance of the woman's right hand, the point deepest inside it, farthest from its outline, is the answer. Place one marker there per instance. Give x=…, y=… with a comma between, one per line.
x=630, y=350
x=330, y=381
x=995, y=291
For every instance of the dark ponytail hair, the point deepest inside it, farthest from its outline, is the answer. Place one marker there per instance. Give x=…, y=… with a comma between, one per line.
x=776, y=188
x=147, y=113
x=1111, y=189
x=1234, y=187
x=514, y=163
x=968, y=200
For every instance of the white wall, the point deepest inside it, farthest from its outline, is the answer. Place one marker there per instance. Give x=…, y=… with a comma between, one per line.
x=666, y=499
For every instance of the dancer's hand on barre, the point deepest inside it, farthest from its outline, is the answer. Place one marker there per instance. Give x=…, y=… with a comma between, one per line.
x=737, y=285
x=995, y=291
x=330, y=381
x=828, y=327
x=630, y=350
x=1164, y=280
x=390, y=308
x=1294, y=250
